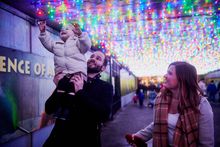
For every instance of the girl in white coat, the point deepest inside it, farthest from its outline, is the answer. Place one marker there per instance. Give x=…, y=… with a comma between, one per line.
x=69, y=58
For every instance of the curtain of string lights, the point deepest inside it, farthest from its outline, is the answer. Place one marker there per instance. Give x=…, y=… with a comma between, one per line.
x=145, y=36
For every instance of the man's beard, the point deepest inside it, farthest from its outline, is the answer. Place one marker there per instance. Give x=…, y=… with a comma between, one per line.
x=94, y=70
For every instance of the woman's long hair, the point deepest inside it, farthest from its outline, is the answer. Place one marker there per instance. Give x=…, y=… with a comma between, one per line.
x=188, y=88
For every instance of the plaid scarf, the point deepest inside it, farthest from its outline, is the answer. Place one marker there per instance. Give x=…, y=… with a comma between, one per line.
x=186, y=131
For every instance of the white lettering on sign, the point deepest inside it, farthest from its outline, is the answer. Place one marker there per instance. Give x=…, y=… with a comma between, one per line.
x=24, y=67
x=12, y=65
x=2, y=64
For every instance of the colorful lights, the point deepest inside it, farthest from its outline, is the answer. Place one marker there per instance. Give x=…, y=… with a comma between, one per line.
x=146, y=36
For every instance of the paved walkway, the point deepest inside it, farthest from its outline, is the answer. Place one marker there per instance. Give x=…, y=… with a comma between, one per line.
x=133, y=118
x=127, y=120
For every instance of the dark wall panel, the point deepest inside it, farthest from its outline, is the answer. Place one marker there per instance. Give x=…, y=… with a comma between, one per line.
x=23, y=89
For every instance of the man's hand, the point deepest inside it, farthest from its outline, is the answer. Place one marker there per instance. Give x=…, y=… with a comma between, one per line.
x=77, y=29
x=78, y=82
x=42, y=26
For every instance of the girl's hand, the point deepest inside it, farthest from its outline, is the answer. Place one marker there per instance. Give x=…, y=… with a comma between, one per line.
x=42, y=26
x=77, y=29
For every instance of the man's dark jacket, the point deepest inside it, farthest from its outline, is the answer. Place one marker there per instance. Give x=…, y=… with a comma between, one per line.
x=88, y=109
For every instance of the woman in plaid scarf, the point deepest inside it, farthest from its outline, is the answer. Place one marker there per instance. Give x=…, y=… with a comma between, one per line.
x=182, y=116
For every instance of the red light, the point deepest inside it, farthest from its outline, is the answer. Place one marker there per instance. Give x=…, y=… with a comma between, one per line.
x=40, y=13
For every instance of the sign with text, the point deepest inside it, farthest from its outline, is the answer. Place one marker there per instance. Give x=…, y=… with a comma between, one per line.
x=26, y=81
x=27, y=64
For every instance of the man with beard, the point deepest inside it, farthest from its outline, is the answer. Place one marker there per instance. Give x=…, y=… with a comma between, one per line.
x=88, y=108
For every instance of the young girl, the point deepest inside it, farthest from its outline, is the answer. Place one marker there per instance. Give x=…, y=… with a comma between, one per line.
x=69, y=58
x=69, y=51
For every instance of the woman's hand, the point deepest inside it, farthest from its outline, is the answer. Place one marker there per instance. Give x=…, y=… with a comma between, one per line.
x=130, y=138
x=135, y=141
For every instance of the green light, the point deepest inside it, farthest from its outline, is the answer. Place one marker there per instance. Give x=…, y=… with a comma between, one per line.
x=14, y=108
x=207, y=1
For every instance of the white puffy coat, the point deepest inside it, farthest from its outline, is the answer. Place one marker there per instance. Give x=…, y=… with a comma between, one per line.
x=68, y=56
